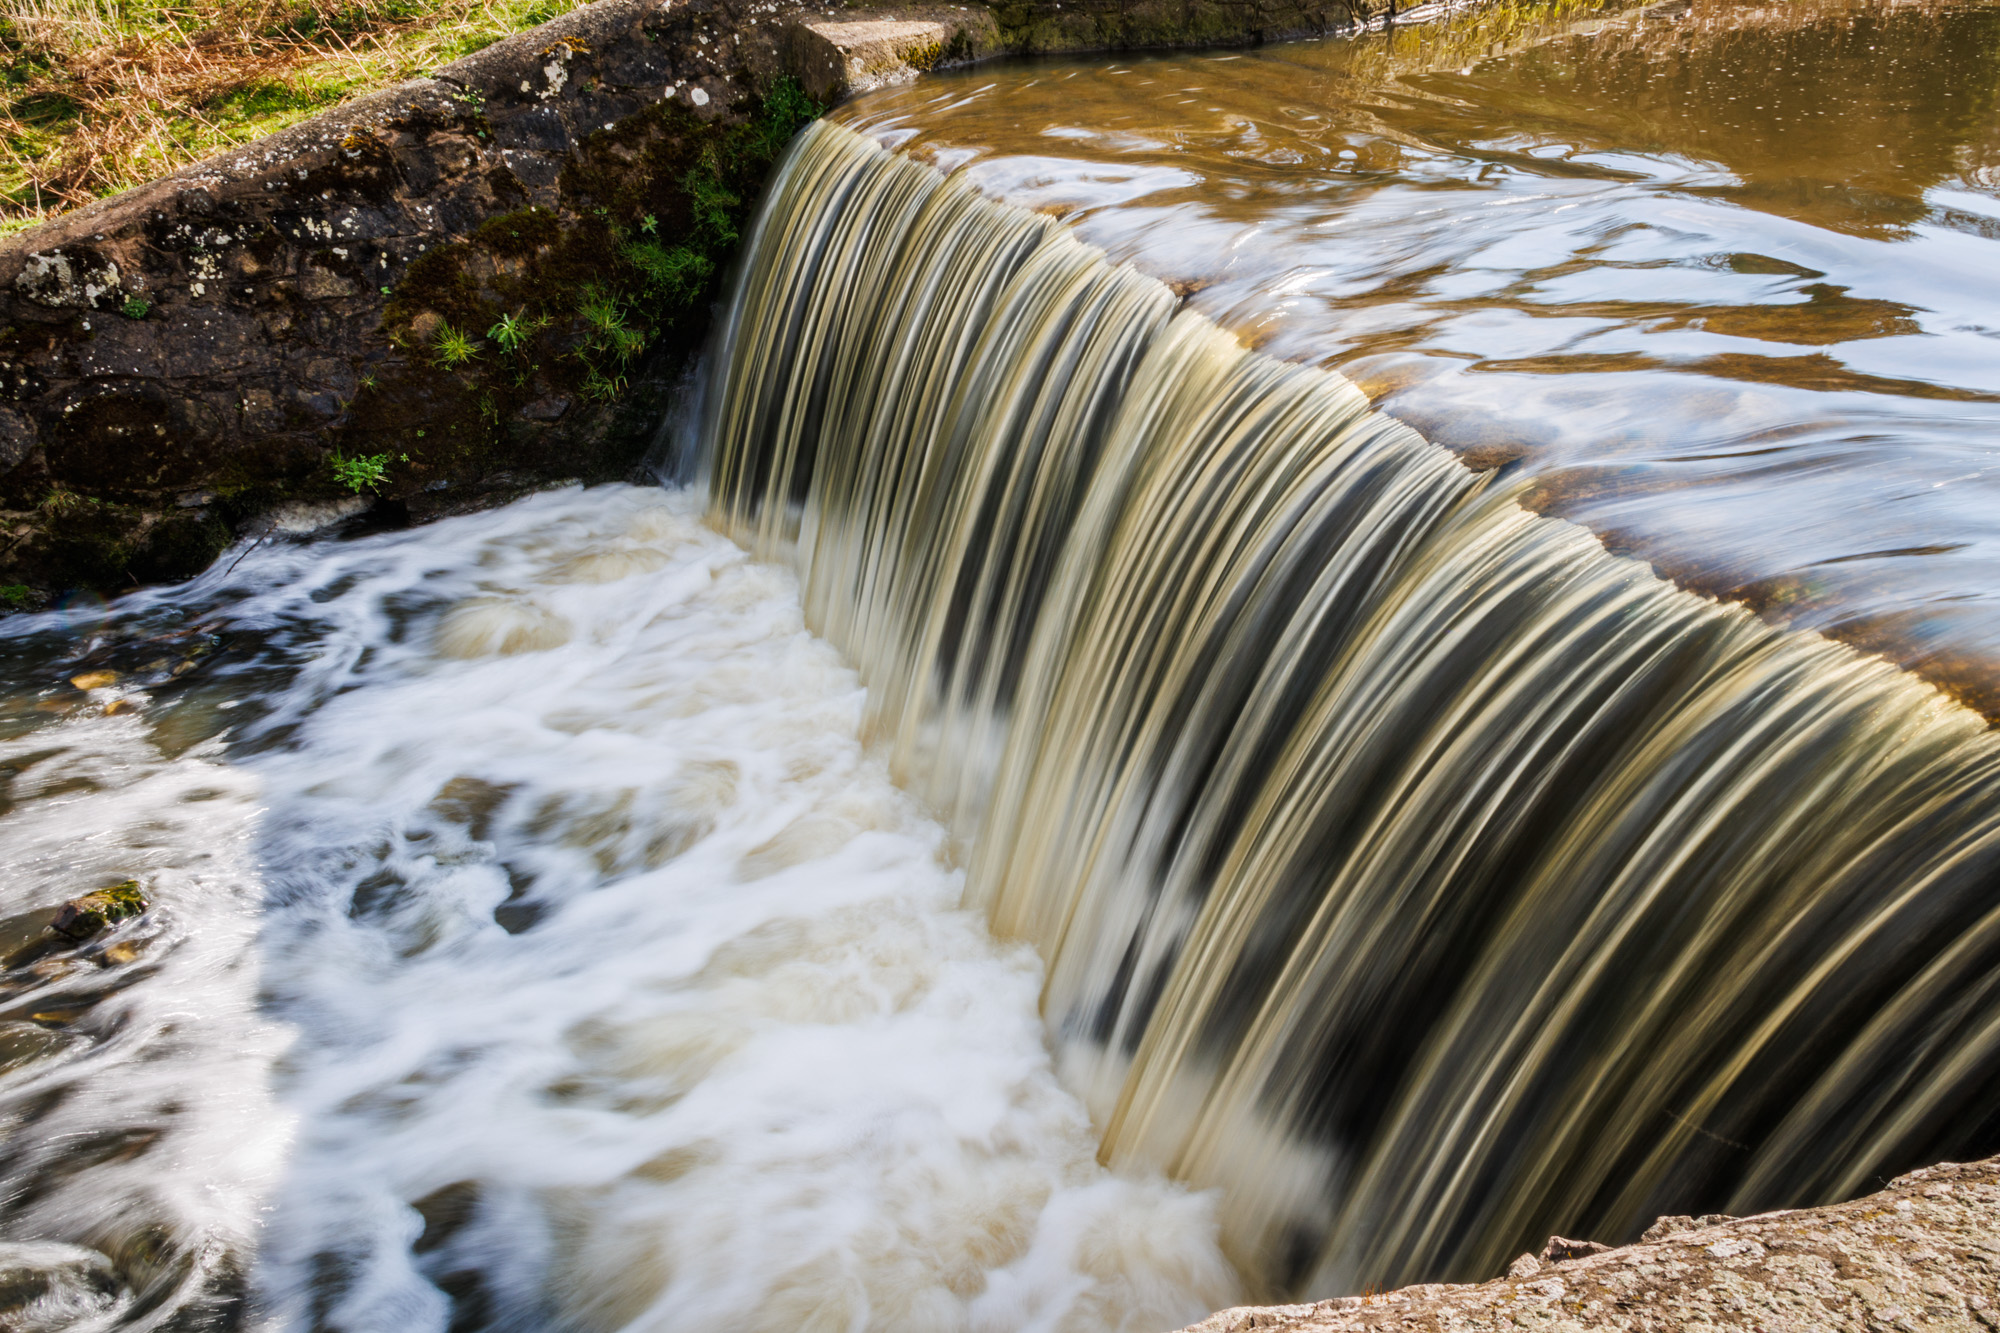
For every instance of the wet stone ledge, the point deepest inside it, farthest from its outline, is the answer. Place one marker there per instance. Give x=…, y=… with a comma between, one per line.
x=458, y=288
x=1924, y=1254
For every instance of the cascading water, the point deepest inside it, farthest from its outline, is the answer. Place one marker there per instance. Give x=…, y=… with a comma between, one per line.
x=1406, y=866
x=538, y=939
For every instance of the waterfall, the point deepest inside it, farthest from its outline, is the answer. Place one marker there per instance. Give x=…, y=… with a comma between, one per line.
x=1407, y=867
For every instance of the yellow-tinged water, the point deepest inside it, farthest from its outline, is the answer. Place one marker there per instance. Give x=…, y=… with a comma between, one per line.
x=1720, y=275
x=1407, y=867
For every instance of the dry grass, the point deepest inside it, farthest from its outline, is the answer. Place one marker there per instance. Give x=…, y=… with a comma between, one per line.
x=99, y=95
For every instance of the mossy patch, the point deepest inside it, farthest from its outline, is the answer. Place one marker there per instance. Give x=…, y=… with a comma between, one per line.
x=81, y=918
x=541, y=312
x=179, y=547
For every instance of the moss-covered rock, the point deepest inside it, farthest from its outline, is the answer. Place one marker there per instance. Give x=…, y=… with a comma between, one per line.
x=474, y=284
x=542, y=344
x=80, y=918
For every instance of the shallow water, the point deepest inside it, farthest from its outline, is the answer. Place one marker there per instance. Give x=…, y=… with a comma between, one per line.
x=535, y=945
x=1721, y=276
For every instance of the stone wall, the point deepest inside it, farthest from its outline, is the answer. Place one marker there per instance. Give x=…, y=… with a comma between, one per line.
x=460, y=287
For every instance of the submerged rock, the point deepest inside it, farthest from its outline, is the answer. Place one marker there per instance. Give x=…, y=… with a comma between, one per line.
x=80, y=918
x=1924, y=1253
x=499, y=627
x=47, y=1286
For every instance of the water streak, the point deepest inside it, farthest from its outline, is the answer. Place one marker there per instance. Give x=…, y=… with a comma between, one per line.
x=1406, y=866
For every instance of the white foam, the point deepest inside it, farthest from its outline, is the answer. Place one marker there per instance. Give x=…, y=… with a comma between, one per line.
x=140, y=1134
x=499, y=627
x=751, y=1068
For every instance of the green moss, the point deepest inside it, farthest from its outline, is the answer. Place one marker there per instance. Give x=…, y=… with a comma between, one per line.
x=179, y=546
x=519, y=233
x=361, y=472
x=287, y=99
x=437, y=282
x=92, y=546
x=676, y=273
x=81, y=918
x=578, y=303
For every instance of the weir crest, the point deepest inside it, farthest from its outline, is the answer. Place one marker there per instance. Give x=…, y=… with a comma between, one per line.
x=1406, y=866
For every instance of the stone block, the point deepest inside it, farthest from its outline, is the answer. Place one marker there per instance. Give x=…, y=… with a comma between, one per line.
x=832, y=59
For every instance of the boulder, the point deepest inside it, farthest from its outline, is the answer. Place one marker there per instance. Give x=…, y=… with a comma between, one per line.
x=80, y=918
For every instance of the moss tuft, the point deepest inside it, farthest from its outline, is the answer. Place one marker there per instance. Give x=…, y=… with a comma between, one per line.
x=519, y=233
x=179, y=547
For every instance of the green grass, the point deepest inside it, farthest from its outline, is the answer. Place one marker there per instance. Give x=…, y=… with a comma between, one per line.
x=513, y=332
x=451, y=348
x=100, y=95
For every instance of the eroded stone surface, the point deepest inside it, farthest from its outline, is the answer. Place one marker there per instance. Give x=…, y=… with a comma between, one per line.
x=1923, y=1254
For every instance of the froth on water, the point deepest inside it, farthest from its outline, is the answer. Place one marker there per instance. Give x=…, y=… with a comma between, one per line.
x=537, y=945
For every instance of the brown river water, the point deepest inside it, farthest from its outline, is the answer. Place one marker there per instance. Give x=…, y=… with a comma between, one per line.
x=1722, y=278
x=1123, y=828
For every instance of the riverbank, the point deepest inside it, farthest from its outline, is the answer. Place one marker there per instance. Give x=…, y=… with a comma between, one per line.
x=449, y=292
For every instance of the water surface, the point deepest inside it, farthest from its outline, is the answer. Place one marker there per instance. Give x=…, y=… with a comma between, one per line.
x=1720, y=276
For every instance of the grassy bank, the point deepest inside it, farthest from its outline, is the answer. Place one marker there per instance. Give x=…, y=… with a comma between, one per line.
x=100, y=95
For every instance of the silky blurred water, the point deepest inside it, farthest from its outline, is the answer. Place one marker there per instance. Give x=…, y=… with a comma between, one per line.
x=1721, y=275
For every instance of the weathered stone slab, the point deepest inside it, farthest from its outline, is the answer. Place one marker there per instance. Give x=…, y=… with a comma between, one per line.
x=833, y=57
x=1922, y=1254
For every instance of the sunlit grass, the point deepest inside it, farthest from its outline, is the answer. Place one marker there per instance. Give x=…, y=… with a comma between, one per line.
x=100, y=95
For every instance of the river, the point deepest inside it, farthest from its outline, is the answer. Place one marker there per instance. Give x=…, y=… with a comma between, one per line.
x=1322, y=662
